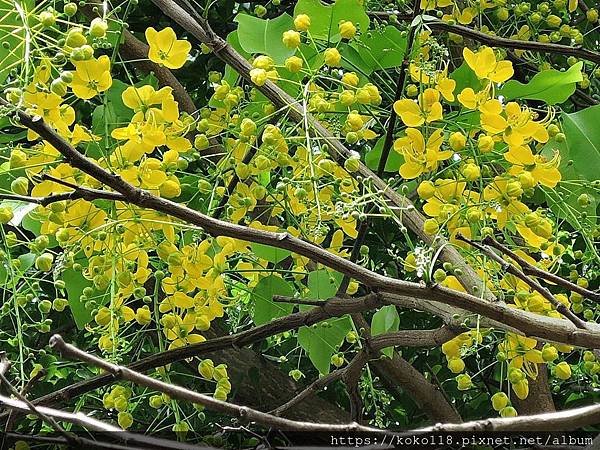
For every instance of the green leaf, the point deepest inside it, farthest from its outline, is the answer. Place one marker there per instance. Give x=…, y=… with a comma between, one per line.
x=265, y=309
x=231, y=76
x=324, y=19
x=3, y=273
x=108, y=116
x=271, y=254
x=382, y=49
x=550, y=86
x=323, y=284
x=582, y=149
x=394, y=161
x=5, y=138
x=321, y=341
x=27, y=261
x=351, y=60
x=75, y=284
x=384, y=321
x=265, y=35
x=465, y=78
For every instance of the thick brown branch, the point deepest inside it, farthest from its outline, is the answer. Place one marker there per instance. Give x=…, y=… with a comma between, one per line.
x=570, y=419
x=4, y=363
x=42, y=411
x=516, y=320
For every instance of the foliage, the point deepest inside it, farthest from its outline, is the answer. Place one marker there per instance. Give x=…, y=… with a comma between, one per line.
x=487, y=143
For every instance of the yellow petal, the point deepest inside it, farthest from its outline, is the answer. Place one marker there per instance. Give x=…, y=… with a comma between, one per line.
x=486, y=62
x=502, y=72
x=410, y=170
x=470, y=58
x=409, y=112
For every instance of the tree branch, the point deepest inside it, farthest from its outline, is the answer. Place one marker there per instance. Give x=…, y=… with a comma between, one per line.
x=51, y=416
x=570, y=419
x=240, y=412
x=84, y=193
x=533, y=284
x=350, y=373
x=319, y=384
x=530, y=269
x=497, y=41
x=389, y=136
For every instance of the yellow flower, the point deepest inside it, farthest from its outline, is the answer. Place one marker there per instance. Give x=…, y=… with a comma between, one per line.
x=418, y=156
x=516, y=124
x=526, y=164
x=291, y=39
x=418, y=75
x=148, y=175
x=463, y=17
x=485, y=66
x=470, y=99
x=429, y=109
x=433, y=4
x=166, y=49
x=522, y=354
x=446, y=87
x=146, y=99
x=243, y=201
x=91, y=77
x=347, y=29
x=332, y=57
x=302, y=22
x=180, y=334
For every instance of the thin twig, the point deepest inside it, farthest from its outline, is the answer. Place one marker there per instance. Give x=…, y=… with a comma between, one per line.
x=512, y=269
x=497, y=41
x=530, y=269
x=404, y=67
x=51, y=415
x=33, y=380
x=80, y=193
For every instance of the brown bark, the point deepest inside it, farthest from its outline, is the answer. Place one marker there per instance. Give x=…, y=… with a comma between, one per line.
x=261, y=384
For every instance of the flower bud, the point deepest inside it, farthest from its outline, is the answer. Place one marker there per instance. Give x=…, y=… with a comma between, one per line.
x=302, y=22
